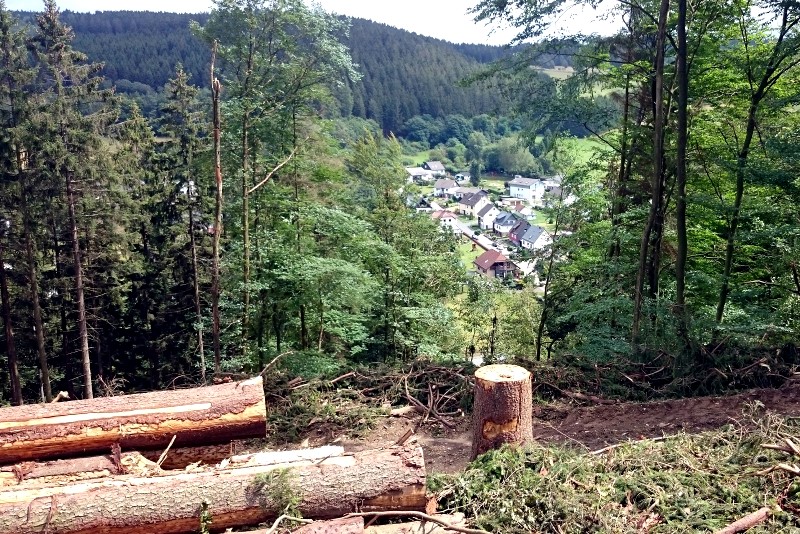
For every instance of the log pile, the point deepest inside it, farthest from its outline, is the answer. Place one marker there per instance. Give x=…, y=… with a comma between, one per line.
x=100, y=466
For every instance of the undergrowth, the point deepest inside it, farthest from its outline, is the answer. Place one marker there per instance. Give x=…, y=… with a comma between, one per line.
x=329, y=398
x=687, y=483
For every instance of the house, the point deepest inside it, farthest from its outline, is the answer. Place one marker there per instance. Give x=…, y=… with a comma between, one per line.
x=470, y=205
x=530, y=189
x=519, y=229
x=461, y=192
x=447, y=220
x=535, y=238
x=503, y=223
x=436, y=167
x=493, y=264
x=556, y=193
x=419, y=175
x=444, y=187
x=486, y=217
x=523, y=210
x=423, y=205
x=463, y=177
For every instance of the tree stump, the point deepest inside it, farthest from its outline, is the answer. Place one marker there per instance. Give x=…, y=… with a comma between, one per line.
x=503, y=410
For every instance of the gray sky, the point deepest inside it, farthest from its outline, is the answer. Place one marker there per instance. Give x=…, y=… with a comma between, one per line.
x=444, y=19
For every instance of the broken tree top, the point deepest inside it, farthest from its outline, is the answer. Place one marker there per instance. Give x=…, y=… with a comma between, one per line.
x=196, y=416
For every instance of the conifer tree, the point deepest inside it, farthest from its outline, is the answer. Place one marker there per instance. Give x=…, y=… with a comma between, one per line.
x=72, y=111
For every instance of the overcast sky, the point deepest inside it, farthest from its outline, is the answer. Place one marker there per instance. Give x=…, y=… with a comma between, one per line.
x=444, y=19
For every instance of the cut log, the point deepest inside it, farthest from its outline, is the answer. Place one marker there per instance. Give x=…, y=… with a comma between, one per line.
x=197, y=416
x=503, y=410
x=38, y=474
x=180, y=457
x=343, y=525
x=420, y=527
x=386, y=479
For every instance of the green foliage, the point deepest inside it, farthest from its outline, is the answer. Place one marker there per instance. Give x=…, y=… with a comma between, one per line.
x=681, y=484
x=277, y=491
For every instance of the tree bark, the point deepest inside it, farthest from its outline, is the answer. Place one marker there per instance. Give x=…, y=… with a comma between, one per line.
x=216, y=90
x=680, y=178
x=503, y=412
x=11, y=348
x=196, y=416
x=83, y=332
x=392, y=478
x=658, y=170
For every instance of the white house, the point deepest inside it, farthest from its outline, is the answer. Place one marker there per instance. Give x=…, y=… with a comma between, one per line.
x=463, y=177
x=419, y=175
x=535, y=238
x=503, y=223
x=444, y=187
x=486, y=217
x=530, y=189
x=470, y=205
x=436, y=167
x=447, y=220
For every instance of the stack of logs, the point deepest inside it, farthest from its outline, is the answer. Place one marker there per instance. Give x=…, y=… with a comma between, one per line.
x=162, y=463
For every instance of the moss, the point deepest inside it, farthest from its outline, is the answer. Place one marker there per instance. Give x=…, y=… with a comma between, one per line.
x=278, y=493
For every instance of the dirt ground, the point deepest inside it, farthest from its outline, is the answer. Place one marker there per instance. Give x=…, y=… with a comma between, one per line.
x=588, y=427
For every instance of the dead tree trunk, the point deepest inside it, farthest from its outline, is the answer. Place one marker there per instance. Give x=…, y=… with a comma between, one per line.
x=387, y=479
x=503, y=412
x=196, y=416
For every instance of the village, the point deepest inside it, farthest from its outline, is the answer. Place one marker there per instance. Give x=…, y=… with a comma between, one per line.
x=507, y=228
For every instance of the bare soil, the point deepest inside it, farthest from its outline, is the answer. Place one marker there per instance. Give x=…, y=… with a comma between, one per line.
x=588, y=427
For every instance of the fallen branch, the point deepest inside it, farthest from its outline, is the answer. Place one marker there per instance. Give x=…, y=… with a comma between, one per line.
x=747, y=522
x=273, y=361
x=604, y=450
x=423, y=517
x=284, y=517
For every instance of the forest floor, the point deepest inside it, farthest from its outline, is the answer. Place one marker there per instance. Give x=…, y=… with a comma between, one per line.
x=447, y=450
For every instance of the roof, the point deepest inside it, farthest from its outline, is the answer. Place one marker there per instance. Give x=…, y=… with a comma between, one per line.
x=417, y=171
x=486, y=209
x=520, y=228
x=444, y=183
x=533, y=233
x=472, y=200
x=523, y=182
x=443, y=214
x=505, y=218
x=468, y=190
x=435, y=165
x=489, y=258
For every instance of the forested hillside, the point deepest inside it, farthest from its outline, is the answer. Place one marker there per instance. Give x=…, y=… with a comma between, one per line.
x=400, y=74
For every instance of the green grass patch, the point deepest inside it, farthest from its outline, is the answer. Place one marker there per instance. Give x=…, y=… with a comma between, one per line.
x=685, y=483
x=468, y=254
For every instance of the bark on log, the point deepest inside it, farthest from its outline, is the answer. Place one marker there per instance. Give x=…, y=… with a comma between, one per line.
x=197, y=416
x=387, y=479
x=503, y=410
x=747, y=522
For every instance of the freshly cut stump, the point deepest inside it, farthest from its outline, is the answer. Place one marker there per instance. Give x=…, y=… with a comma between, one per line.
x=503, y=410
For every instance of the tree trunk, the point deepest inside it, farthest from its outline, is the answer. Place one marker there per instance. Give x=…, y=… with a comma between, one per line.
x=11, y=348
x=680, y=177
x=196, y=416
x=198, y=310
x=392, y=478
x=216, y=90
x=503, y=412
x=658, y=165
x=38, y=324
x=83, y=332
x=343, y=525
